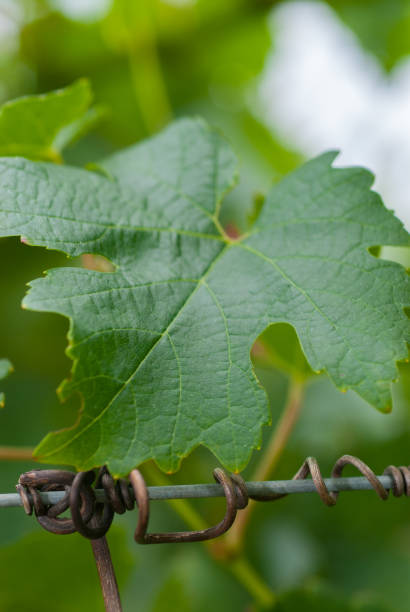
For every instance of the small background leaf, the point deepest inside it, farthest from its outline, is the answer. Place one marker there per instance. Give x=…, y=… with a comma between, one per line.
x=5, y=369
x=41, y=126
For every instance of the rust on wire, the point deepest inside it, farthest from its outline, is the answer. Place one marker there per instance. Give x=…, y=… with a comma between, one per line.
x=103, y=513
x=234, y=502
x=88, y=517
x=79, y=496
x=48, y=515
x=92, y=518
x=400, y=479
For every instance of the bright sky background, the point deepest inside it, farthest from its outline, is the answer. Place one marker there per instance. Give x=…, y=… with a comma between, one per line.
x=83, y=9
x=320, y=90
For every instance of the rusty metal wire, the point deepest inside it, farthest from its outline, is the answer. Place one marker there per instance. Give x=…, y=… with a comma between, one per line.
x=108, y=496
x=94, y=499
x=400, y=479
x=236, y=499
x=49, y=493
x=255, y=489
x=92, y=518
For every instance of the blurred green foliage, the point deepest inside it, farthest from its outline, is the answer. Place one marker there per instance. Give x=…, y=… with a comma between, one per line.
x=383, y=26
x=279, y=348
x=41, y=127
x=205, y=58
x=136, y=55
x=62, y=569
x=5, y=369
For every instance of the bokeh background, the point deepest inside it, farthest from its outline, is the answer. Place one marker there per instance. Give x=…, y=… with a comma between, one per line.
x=283, y=81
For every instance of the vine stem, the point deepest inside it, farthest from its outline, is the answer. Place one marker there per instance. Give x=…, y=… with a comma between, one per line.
x=239, y=567
x=243, y=571
x=16, y=453
x=181, y=506
x=235, y=537
x=145, y=67
x=106, y=574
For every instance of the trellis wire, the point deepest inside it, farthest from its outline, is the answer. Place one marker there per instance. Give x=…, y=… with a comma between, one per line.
x=190, y=491
x=49, y=493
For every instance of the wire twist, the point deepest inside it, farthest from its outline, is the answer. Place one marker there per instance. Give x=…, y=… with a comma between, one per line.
x=92, y=518
x=400, y=479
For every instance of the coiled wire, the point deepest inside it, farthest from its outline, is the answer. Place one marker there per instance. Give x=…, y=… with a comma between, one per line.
x=92, y=519
x=400, y=479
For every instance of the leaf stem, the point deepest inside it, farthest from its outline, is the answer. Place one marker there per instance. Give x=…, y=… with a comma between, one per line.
x=234, y=539
x=16, y=453
x=54, y=156
x=181, y=506
x=147, y=77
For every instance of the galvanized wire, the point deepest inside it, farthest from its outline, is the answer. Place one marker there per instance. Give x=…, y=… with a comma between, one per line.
x=190, y=491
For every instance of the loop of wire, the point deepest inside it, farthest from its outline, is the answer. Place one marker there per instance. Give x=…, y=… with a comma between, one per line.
x=400, y=479
x=92, y=519
x=235, y=499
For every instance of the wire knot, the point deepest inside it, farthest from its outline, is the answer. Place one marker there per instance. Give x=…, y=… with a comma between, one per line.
x=92, y=518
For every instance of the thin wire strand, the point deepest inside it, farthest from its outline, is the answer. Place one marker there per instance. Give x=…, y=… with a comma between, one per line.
x=10, y=500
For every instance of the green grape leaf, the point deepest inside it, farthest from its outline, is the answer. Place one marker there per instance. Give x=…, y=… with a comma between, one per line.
x=41, y=126
x=161, y=346
x=5, y=369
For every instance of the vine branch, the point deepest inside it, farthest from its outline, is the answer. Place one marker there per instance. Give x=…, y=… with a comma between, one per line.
x=16, y=453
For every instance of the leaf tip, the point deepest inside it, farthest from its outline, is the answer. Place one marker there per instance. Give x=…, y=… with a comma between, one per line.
x=385, y=408
x=329, y=156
